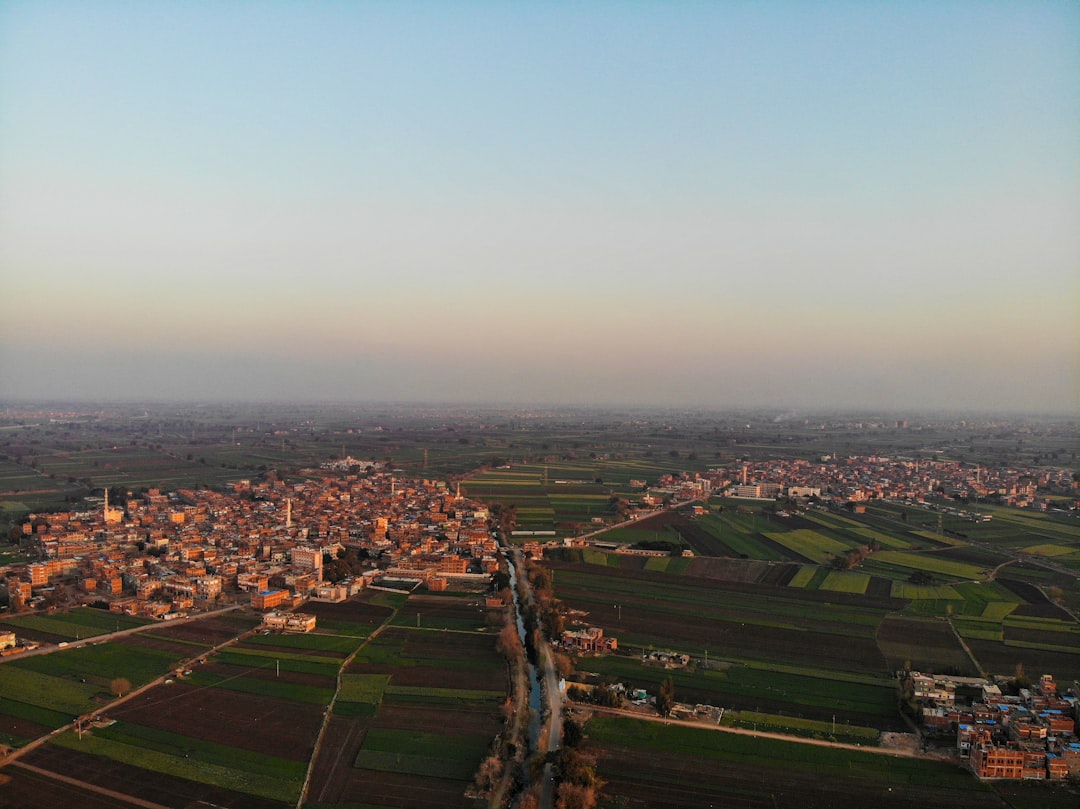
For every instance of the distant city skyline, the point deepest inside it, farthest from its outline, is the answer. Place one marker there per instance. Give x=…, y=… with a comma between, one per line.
x=676, y=204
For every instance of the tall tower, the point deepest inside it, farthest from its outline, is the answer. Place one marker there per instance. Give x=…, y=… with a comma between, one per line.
x=288, y=513
x=105, y=512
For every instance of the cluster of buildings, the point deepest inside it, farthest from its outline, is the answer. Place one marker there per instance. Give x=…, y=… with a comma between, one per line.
x=871, y=477
x=271, y=542
x=1032, y=735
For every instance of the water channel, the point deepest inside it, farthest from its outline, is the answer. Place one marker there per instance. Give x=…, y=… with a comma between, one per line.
x=535, y=696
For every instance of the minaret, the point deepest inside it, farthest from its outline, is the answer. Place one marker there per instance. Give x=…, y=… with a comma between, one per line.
x=105, y=513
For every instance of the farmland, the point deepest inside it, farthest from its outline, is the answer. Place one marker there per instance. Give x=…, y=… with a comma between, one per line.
x=240, y=728
x=73, y=625
x=646, y=764
x=417, y=711
x=823, y=622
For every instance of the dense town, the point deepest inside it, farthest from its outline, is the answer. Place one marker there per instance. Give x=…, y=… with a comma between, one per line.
x=161, y=554
x=863, y=478
x=1029, y=734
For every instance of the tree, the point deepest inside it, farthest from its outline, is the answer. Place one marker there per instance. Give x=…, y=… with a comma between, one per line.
x=572, y=734
x=509, y=643
x=564, y=665
x=120, y=686
x=553, y=623
x=488, y=773
x=665, y=700
x=575, y=796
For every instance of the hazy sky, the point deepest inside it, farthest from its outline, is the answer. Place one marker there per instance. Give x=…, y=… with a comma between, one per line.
x=702, y=204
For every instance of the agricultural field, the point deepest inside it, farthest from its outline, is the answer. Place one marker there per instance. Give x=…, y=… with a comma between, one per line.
x=563, y=496
x=814, y=622
x=418, y=709
x=132, y=467
x=39, y=693
x=73, y=625
x=675, y=766
x=239, y=728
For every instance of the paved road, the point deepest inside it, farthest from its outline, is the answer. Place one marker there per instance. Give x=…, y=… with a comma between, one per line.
x=553, y=704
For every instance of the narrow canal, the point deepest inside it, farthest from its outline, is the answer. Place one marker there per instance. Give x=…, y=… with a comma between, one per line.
x=535, y=694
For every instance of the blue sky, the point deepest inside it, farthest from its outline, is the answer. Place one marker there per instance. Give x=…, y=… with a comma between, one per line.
x=700, y=204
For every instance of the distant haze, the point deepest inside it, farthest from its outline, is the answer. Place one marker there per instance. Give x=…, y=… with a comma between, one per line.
x=691, y=204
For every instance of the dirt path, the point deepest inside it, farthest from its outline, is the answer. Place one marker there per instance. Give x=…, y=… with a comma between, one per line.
x=966, y=648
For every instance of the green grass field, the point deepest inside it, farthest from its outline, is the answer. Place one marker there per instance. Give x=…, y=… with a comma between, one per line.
x=810, y=544
x=845, y=582
x=430, y=754
x=696, y=743
x=60, y=694
x=929, y=563
x=102, y=663
x=779, y=723
x=75, y=624
x=138, y=753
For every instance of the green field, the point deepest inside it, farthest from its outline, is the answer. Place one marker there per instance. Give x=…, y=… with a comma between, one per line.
x=136, y=752
x=441, y=696
x=101, y=663
x=929, y=563
x=312, y=641
x=819, y=761
x=76, y=624
x=810, y=545
x=845, y=582
x=431, y=754
x=780, y=723
x=60, y=694
x=367, y=688
x=727, y=684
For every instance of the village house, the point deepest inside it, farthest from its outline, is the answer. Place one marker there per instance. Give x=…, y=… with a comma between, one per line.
x=289, y=621
x=588, y=640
